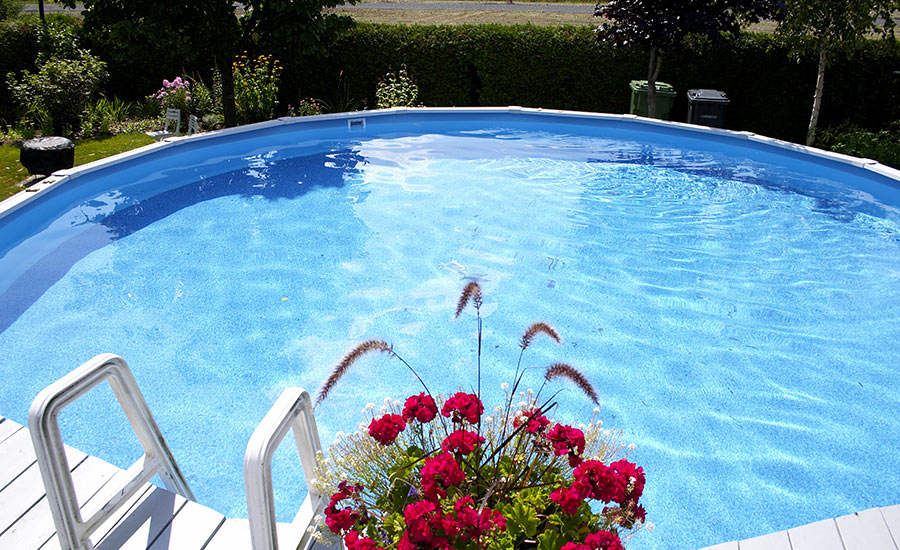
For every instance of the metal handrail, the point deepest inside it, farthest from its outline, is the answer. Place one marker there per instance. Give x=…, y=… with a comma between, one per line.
x=293, y=410
x=43, y=422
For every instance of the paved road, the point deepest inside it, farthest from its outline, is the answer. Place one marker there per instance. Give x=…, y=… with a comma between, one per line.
x=412, y=6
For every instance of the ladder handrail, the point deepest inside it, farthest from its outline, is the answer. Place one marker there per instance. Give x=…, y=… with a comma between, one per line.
x=43, y=422
x=293, y=410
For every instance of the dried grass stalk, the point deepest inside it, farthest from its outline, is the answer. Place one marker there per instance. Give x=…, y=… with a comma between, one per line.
x=539, y=328
x=562, y=370
x=347, y=362
x=471, y=292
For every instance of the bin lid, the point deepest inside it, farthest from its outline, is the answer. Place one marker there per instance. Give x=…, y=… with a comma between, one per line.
x=707, y=95
x=662, y=88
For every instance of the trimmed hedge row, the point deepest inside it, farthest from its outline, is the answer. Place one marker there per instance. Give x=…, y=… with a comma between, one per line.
x=563, y=68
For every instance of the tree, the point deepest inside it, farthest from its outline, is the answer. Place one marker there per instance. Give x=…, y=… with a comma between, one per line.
x=830, y=26
x=659, y=24
x=176, y=33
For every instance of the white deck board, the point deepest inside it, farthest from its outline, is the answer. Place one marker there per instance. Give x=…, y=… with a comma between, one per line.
x=7, y=427
x=821, y=535
x=892, y=519
x=865, y=530
x=772, y=541
x=16, y=454
x=191, y=529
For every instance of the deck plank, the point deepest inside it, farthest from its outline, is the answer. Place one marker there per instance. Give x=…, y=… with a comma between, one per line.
x=7, y=428
x=139, y=528
x=733, y=545
x=36, y=528
x=27, y=490
x=821, y=535
x=191, y=529
x=16, y=454
x=772, y=541
x=234, y=534
x=891, y=516
x=865, y=530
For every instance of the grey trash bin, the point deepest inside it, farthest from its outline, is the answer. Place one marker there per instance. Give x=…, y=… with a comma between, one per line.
x=707, y=107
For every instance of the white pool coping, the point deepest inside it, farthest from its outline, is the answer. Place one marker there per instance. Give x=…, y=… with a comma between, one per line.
x=61, y=177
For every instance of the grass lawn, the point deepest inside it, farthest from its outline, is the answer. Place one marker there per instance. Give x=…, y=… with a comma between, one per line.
x=86, y=150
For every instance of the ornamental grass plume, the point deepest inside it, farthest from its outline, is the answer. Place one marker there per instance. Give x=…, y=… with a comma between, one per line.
x=472, y=291
x=562, y=370
x=539, y=328
x=348, y=360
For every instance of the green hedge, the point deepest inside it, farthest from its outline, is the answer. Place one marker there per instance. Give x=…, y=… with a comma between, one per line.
x=562, y=67
x=19, y=47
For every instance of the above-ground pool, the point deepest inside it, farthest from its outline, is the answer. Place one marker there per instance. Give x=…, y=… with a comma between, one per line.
x=736, y=302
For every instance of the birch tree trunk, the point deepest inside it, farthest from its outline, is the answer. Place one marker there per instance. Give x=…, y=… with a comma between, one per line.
x=652, y=75
x=817, y=99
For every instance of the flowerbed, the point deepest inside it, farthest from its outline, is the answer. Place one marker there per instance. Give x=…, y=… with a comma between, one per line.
x=436, y=472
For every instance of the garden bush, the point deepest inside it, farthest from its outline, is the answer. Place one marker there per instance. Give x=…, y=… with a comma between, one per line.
x=850, y=139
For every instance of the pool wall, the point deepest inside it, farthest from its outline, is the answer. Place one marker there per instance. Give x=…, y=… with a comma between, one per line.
x=356, y=122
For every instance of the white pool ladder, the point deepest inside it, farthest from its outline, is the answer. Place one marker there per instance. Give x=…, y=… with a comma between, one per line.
x=74, y=532
x=293, y=410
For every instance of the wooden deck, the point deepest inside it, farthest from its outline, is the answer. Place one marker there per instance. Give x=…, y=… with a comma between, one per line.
x=874, y=529
x=154, y=519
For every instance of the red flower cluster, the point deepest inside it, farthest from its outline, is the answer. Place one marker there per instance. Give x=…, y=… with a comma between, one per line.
x=471, y=525
x=438, y=473
x=567, y=441
x=463, y=406
x=385, y=429
x=537, y=423
x=462, y=442
x=352, y=541
x=425, y=527
x=342, y=519
x=620, y=482
x=601, y=540
x=421, y=407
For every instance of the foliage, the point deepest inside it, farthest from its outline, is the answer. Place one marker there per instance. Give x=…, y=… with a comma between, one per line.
x=829, y=26
x=99, y=117
x=145, y=41
x=305, y=107
x=60, y=89
x=659, y=24
x=256, y=87
x=850, y=139
x=397, y=90
x=341, y=101
x=9, y=8
x=461, y=479
x=174, y=94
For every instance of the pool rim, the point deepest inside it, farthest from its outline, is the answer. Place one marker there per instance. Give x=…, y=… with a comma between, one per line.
x=61, y=177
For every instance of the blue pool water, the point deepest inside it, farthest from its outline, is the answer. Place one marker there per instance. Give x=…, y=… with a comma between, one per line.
x=736, y=306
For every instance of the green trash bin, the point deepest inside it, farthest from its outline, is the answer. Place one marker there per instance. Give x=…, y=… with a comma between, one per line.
x=665, y=97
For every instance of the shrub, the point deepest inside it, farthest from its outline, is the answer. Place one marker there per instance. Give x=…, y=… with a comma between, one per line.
x=60, y=89
x=306, y=107
x=850, y=139
x=256, y=87
x=396, y=90
x=9, y=8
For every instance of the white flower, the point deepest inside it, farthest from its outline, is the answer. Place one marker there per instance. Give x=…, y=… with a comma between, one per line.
x=370, y=406
x=362, y=426
x=504, y=386
x=522, y=404
x=488, y=419
x=339, y=435
x=650, y=526
x=388, y=400
x=632, y=447
x=530, y=391
x=596, y=410
x=582, y=427
x=605, y=433
x=623, y=444
x=599, y=422
x=396, y=403
x=384, y=409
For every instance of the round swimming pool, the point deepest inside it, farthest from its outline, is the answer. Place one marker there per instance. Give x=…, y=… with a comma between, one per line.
x=735, y=301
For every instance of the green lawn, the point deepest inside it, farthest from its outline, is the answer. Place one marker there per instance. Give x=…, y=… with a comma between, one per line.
x=86, y=150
